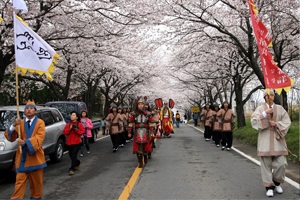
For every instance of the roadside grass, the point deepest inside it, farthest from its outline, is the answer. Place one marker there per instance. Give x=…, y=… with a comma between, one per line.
x=248, y=135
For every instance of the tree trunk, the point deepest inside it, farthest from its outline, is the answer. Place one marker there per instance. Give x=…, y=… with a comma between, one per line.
x=106, y=106
x=284, y=102
x=240, y=115
x=238, y=89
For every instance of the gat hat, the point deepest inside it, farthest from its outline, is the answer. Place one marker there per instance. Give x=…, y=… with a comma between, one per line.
x=30, y=104
x=269, y=91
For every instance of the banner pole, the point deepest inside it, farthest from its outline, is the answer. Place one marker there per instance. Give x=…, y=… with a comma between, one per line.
x=17, y=95
x=18, y=109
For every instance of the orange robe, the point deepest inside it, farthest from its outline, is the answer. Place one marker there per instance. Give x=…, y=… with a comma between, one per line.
x=32, y=156
x=31, y=162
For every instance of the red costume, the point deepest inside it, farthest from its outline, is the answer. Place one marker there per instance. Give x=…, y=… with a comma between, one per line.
x=140, y=121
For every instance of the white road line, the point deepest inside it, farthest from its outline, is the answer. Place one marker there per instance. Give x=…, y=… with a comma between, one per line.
x=288, y=180
x=102, y=137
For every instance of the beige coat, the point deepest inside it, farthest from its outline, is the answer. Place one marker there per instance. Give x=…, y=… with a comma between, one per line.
x=114, y=123
x=227, y=119
x=216, y=122
x=269, y=142
x=206, y=115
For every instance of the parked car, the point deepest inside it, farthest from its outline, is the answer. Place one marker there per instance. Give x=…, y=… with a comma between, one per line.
x=66, y=107
x=54, y=141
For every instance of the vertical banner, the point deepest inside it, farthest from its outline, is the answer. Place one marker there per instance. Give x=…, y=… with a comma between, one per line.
x=274, y=77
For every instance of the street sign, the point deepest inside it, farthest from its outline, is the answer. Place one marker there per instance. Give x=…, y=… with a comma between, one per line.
x=195, y=109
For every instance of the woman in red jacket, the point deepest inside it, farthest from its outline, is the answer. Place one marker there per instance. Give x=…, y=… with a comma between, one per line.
x=73, y=131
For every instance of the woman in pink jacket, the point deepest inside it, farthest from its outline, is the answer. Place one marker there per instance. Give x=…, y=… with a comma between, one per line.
x=88, y=126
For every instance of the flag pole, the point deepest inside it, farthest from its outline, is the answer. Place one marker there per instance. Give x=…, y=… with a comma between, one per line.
x=18, y=109
x=17, y=94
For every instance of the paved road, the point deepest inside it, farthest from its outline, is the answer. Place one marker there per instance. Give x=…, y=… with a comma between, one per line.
x=187, y=167
x=183, y=167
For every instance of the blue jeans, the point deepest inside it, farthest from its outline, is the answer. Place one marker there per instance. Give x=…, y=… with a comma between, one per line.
x=177, y=123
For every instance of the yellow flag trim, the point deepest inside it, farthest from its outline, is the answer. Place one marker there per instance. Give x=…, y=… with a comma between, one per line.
x=39, y=72
x=20, y=19
x=279, y=90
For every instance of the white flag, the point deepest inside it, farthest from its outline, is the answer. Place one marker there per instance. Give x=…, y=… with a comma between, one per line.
x=20, y=5
x=32, y=53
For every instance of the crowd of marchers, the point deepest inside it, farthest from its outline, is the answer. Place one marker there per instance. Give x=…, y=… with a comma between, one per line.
x=142, y=125
x=272, y=122
x=218, y=124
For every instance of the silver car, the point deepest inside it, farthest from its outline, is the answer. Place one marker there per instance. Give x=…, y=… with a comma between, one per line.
x=54, y=139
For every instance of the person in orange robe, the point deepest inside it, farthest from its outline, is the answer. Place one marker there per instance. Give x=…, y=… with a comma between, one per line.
x=30, y=161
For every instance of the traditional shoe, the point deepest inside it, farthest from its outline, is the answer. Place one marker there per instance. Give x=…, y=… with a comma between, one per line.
x=218, y=145
x=114, y=150
x=279, y=189
x=228, y=149
x=270, y=193
x=81, y=155
x=223, y=148
x=71, y=172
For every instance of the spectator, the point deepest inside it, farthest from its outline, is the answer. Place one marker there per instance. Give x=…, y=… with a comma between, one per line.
x=88, y=126
x=195, y=117
x=185, y=118
x=177, y=119
x=103, y=125
x=73, y=130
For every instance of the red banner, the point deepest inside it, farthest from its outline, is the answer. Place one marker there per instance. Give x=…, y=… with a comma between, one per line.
x=274, y=77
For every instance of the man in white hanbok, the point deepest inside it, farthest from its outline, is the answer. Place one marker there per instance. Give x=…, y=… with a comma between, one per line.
x=273, y=123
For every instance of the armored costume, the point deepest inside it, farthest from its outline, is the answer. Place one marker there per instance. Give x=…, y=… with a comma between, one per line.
x=141, y=120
